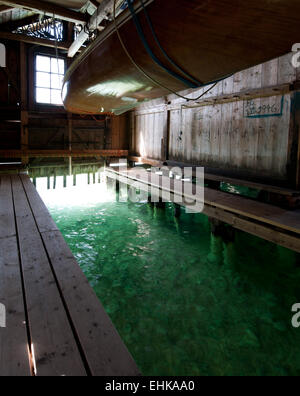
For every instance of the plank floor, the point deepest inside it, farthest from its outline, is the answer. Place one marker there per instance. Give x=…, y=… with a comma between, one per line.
x=55, y=324
x=266, y=221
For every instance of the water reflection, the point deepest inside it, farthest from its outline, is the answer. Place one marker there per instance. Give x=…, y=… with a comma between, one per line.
x=185, y=302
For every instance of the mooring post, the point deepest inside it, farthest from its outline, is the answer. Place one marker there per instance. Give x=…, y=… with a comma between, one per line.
x=160, y=204
x=214, y=184
x=177, y=209
x=223, y=230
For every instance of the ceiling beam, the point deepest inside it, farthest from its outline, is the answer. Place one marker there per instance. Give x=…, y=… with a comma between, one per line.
x=62, y=153
x=99, y=15
x=32, y=40
x=13, y=25
x=4, y=8
x=48, y=8
x=104, y=11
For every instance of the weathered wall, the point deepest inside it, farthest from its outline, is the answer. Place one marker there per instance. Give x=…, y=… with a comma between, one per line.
x=47, y=127
x=242, y=125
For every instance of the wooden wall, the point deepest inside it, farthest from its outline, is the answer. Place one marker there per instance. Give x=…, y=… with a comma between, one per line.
x=26, y=124
x=245, y=126
x=10, y=97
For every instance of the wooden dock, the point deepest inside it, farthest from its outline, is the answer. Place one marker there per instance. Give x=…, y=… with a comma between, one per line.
x=55, y=324
x=266, y=221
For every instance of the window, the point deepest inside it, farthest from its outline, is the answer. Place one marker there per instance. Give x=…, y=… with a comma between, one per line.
x=49, y=79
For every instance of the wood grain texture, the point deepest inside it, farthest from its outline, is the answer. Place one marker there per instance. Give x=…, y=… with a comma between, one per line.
x=55, y=348
x=7, y=222
x=104, y=350
x=265, y=213
x=14, y=359
x=218, y=132
x=42, y=216
x=210, y=40
x=265, y=221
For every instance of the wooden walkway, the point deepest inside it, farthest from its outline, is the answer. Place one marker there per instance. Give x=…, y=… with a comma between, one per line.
x=55, y=324
x=269, y=222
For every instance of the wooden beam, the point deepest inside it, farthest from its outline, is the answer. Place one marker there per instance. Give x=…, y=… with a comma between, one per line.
x=32, y=40
x=62, y=153
x=24, y=113
x=48, y=9
x=13, y=25
x=99, y=15
x=4, y=8
x=264, y=227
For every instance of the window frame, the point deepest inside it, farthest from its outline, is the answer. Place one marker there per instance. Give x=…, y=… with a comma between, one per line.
x=50, y=56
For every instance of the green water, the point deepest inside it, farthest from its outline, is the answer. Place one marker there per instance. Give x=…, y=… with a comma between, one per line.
x=183, y=301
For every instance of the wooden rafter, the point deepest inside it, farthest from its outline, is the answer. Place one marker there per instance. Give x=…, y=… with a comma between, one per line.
x=4, y=8
x=13, y=25
x=104, y=11
x=32, y=40
x=48, y=8
x=62, y=153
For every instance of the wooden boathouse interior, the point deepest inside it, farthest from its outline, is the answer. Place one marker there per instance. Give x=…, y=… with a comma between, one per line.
x=244, y=131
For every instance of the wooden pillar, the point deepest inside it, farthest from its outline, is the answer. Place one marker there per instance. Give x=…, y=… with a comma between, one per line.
x=65, y=181
x=24, y=136
x=160, y=204
x=70, y=128
x=223, y=230
x=166, y=137
x=177, y=209
x=24, y=102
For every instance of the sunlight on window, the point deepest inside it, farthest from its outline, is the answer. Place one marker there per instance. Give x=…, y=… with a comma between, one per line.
x=49, y=79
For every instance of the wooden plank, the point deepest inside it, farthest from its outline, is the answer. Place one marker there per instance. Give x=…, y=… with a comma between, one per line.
x=269, y=234
x=56, y=351
x=101, y=13
x=14, y=358
x=225, y=179
x=47, y=8
x=265, y=213
x=7, y=221
x=105, y=351
x=32, y=40
x=62, y=153
x=258, y=186
x=41, y=214
x=260, y=229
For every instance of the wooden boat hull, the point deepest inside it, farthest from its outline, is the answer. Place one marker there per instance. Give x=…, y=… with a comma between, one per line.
x=209, y=39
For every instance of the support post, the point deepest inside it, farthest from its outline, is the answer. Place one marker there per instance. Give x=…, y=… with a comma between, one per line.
x=24, y=108
x=70, y=128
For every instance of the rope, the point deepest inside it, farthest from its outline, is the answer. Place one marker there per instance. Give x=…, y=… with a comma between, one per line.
x=198, y=83
x=154, y=81
x=150, y=52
